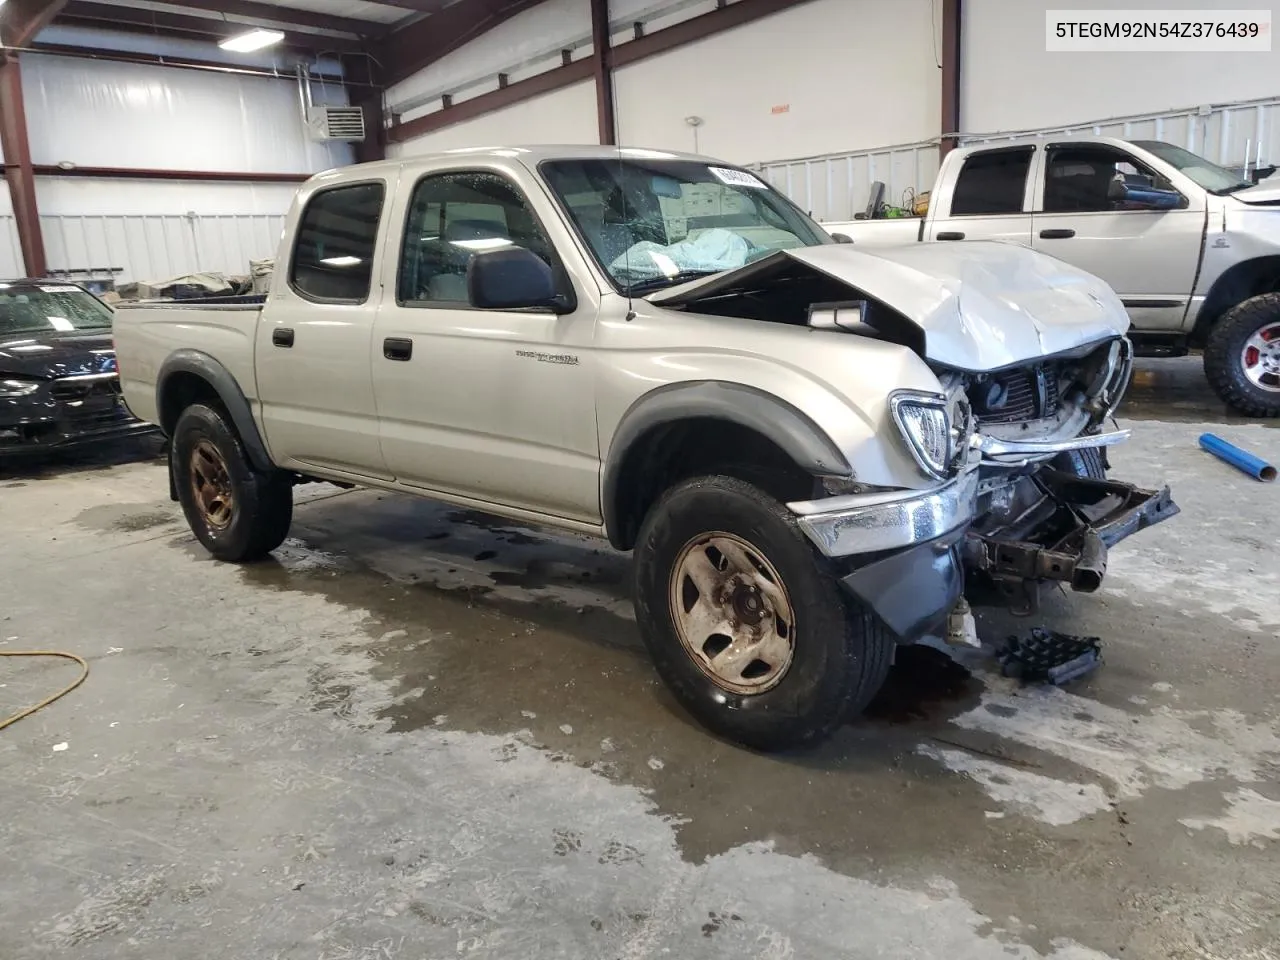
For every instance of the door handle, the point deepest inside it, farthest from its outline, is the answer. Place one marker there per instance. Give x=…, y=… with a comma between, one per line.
x=950, y=235
x=1057, y=234
x=397, y=348
x=282, y=337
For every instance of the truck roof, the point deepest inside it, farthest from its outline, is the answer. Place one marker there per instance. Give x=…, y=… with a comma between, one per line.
x=529, y=155
x=1016, y=141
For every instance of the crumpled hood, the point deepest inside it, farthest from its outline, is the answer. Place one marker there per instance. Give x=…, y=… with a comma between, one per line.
x=47, y=355
x=982, y=305
x=1266, y=192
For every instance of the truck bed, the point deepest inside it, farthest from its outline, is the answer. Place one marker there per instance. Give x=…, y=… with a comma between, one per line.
x=884, y=232
x=146, y=334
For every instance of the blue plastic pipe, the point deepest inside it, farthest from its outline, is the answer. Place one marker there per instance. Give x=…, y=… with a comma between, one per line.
x=1255, y=467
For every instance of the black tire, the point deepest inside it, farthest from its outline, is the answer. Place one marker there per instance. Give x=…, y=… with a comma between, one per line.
x=260, y=504
x=1089, y=463
x=841, y=654
x=1223, y=356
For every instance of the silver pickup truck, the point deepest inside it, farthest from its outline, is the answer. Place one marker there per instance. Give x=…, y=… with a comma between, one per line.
x=1191, y=248
x=813, y=451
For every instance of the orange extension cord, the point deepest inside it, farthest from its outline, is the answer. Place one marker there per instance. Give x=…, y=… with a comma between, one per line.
x=84, y=672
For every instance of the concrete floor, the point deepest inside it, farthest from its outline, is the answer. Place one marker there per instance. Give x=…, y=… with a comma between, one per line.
x=417, y=733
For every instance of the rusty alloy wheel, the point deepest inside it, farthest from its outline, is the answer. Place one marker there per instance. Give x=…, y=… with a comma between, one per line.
x=211, y=486
x=732, y=613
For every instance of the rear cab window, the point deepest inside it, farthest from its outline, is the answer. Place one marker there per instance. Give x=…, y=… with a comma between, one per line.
x=992, y=183
x=333, y=255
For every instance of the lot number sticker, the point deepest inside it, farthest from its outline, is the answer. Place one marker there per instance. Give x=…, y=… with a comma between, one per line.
x=738, y=178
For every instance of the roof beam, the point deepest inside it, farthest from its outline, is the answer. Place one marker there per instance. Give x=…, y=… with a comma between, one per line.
x=417, y=6
x=102, y=16
x=650, y=45
x=419, y=44
x=698, y=28
x=510, y=95
x=294, y=17
x=184, y=63
x=21, y=20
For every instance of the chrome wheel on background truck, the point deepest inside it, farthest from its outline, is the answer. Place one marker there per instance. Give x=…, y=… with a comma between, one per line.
x=1242, y=357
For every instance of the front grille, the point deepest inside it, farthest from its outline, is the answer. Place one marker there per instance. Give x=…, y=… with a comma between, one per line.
x=1014, y=396
x=72, y=389
x=86, y=404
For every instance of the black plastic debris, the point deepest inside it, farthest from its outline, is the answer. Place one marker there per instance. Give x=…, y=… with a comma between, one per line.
x=1049, y=657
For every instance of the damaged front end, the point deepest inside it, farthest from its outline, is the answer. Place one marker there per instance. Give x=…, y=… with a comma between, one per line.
x=1024, y=502
x=1045, y=512
x=1052, y=528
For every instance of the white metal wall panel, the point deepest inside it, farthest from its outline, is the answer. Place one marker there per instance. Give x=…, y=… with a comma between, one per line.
x=805, y=82
x=1009, y=82
x=529, y=40
x=151, y=247
x=1227, y=134
x=103, y=114
x=837, y=186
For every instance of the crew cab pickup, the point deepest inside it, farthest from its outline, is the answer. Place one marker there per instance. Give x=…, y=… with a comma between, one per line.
x=813, y=450
x=1192, y=249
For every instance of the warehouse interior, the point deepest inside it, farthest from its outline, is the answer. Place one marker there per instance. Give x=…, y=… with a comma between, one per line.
x=418, y=729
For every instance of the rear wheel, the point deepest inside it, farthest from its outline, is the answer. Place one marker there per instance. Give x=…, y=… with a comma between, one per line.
x=237, y=512
x=752, y=637
x=1242, y=357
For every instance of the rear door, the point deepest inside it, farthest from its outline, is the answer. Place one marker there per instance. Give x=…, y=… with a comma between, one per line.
x=989, y=199
x=315, y=338
x=1149, y=257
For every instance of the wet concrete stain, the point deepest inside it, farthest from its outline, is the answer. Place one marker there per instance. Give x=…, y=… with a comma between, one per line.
x=1175, y=389
x=130, y=517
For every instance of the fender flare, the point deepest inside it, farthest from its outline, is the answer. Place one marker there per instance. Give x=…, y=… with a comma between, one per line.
x=228, y=390
x=786, y=426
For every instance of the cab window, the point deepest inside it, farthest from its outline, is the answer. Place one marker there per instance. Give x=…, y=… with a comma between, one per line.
x=1078, y=179
x=337, y=235
x=992, y=182
x=452, y=217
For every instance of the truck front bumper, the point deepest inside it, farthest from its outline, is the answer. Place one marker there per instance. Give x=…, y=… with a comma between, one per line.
x=905, y=556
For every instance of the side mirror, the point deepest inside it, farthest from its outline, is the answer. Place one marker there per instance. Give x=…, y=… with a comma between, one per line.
x=512, y=278
x=1143, y=197
x=841, y=238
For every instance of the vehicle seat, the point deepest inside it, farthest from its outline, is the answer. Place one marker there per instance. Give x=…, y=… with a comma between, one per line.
x=448, y=282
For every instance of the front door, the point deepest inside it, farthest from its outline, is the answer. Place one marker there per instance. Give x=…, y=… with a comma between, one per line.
x=493, y=405
x=314, y=340
x=1149, y=257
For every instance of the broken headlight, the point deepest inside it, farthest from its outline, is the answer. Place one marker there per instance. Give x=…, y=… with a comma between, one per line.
x=17, y=387
x=926, y=425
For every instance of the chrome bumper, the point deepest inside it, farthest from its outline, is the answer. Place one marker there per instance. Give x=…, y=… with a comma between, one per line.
x=871, y=523
x=1016, y=452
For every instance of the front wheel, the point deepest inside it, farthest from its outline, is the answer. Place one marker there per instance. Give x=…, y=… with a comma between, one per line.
x=237, y=512
x=752, y=637
x=1242, y=357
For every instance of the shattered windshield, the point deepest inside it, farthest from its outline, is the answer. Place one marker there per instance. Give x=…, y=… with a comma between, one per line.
x=1217, y=180
x=50, y=308
x=655, y=223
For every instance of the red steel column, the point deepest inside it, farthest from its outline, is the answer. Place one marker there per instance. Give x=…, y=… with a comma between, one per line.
x=952, y=17
x=603, y=71
x=17, y=166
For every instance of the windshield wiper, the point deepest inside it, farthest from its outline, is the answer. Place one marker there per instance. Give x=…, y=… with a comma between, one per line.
x=661, y=283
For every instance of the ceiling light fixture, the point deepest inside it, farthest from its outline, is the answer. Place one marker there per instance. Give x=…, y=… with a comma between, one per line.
x=251, y=41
